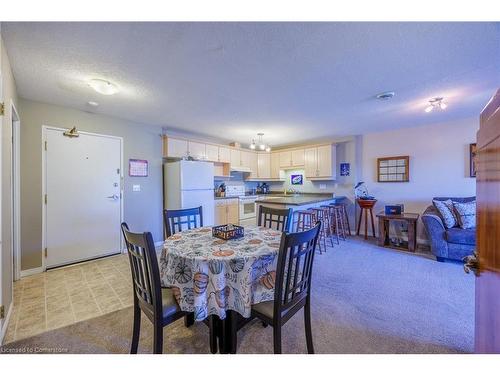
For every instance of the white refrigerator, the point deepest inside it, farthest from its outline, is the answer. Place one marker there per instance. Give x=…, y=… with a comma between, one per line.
x=190, y=184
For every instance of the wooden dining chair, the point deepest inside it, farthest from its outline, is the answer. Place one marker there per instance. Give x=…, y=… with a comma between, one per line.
x=275, y=218
x=187, y=218
x=292, y=289
x=157, y=303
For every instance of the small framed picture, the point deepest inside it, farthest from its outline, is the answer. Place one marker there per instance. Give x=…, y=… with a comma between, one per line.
x=137, y=168
x=472, y=159
x=296, y=179
x=345, y=169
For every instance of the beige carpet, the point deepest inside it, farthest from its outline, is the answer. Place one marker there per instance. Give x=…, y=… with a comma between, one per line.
x=365, y=300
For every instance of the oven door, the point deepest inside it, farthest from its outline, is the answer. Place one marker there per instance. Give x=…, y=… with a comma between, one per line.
x=247, y=209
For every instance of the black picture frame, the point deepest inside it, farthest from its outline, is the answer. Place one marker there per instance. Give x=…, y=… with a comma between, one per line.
x=472, y=159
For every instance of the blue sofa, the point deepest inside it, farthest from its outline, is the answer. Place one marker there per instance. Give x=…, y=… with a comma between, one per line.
x=453, y=243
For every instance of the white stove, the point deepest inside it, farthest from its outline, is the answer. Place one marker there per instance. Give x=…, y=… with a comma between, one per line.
x=248, y=212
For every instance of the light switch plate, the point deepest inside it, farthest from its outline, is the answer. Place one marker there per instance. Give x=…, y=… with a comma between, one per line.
x=136, y=187
x=322, y=186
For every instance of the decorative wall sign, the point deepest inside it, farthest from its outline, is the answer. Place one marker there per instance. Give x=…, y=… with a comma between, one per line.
x=137, y=168
x=296, y=179
x=393, y=169
x=345, y=169
x=472, y=159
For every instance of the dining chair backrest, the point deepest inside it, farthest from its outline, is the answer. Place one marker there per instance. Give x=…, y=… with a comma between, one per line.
x=187, y=218
x=145, y=271
x=294, y=268
x=275, y=218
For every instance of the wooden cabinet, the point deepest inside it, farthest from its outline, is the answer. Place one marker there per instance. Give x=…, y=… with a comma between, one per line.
x=254, y=165
x=212, y=152
x=174, y=148
x=320, y=162
x=197, y=150
x=275, y=165
x=235, y=158
x=293, y=158
x=224, y=155
x=246, y=159
x=227, y=211
x=297, y=157
x=264, y=165
x=285, y=159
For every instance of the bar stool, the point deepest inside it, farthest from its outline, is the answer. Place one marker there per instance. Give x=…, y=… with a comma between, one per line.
x=345, y=217
x=338, y=223
x=323, y=214
x=305, y=221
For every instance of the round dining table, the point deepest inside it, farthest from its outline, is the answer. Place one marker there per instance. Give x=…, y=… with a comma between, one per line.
x=210, y=276
x=221, y=279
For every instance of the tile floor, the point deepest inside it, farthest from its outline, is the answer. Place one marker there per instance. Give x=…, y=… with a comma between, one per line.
x=67, y=295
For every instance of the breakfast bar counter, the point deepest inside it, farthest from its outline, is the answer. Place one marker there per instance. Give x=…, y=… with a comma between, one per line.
x=295, y=200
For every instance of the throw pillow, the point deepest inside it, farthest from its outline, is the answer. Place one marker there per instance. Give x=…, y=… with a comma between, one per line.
x=466, y=214
x=445, y=208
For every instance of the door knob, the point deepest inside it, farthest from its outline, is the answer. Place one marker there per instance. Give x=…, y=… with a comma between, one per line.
x=114, y=197
x=471, y=263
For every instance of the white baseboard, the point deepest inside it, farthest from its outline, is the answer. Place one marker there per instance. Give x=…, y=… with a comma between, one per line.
x=6, y=323
x=32, y=271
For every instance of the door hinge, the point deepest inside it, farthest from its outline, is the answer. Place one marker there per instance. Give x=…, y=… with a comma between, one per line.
x=45, y=145
x=2, y=109
x=2, y=312
x=45, y=199
x=45, y=252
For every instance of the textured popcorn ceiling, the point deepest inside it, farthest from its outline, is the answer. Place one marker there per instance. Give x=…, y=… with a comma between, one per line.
x=292, y=81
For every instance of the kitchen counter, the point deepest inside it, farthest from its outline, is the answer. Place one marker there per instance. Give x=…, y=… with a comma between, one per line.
x=297, y=199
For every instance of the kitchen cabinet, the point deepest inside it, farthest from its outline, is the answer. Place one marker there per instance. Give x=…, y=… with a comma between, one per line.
x=320, y=162
x=197, y=150
x=285, y=159
x=224, y=155
x=174, y=148
x=212, y=153
x=235, y=158
x=297, y=157
x=227, y=211
x=264, y=165
x=275, y=165
x=246, y=159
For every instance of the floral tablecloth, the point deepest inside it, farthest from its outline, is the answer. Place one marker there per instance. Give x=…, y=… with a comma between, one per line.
x=210, y=276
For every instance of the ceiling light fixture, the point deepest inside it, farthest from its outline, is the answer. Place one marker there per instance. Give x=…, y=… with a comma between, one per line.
x=436, y=102
x=386, y=95
x=260, y=144
x=93, y=104
x=103, y=87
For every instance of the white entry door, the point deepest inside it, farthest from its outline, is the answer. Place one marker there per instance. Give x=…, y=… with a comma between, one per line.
x=82, y=178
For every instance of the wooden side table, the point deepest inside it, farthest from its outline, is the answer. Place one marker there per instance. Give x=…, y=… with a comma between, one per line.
x=366, y=206
x=383, y=228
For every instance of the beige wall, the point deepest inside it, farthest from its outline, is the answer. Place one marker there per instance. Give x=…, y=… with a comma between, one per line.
x=439, y=164
x=142, y=210
x=9, y=95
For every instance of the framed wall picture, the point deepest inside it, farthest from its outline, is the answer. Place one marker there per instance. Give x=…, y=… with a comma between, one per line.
x=393, y=169
x=296, y=179
x=137, y=168
x=472, y=159
x=345, y=169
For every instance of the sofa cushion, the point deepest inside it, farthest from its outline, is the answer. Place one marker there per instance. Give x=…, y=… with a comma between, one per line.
x=461, y=236
x=445, y=209
x=466, y=214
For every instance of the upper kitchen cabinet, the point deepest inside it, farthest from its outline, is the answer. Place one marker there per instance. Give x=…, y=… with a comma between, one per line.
x=320, y=162
x=291, y=159
x=235, y=158
x=297, y=158
x=174, y=148
x=264, y=165
x=249, y=160
x=275, y=165
x=197, y=150
x=212, y=152
x=285, y=159
x=224, y=155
